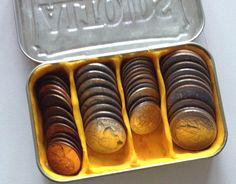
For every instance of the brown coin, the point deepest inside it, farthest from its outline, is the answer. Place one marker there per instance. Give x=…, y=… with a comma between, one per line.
x=100, y=107
x=186, y=64
x=140, y=93
x=188, y=81
x=94, y=74
x=95, y=66
x=98, y=91
x=190, y=91
x=99, y=99
x=179, y=56
x=55, y=100
x=193, y=129
x=57, y=111
x=105, y=135
x=190, y=103
x=101, y=114
x=96, y=82
x=63, y=158
x=145, y=118
x=188, y=71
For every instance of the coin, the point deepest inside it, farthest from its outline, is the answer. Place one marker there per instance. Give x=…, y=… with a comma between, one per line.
x=57, y=111
x=105, y=135
x=98, y=91
x=63, y=158
x=181, y=55
x=190, y=103
x=190, y=91
x=94, y=66
x=145, y=118
x=193, y=129
x=94, y=74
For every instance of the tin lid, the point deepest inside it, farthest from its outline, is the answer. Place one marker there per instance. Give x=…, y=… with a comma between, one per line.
x=63, y=30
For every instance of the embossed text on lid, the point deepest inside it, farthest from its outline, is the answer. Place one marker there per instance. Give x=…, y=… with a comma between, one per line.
x=57, y=30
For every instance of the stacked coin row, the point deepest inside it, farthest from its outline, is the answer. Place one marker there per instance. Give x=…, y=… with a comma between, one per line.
x=64, y=151
x=100, y=107
x=190, y=102
x=142, y=95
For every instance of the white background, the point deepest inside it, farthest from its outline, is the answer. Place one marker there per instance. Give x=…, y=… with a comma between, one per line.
x=17, y=161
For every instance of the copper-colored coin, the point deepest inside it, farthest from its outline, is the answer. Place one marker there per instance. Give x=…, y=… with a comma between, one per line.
x=193, y=129
x=145, y=118
x=105, y=135
x=57, y=111
x=188, y=81
x=190, y=103
x=101, y=107
x=63, y=158
x=186, y=64
x=55, y=100
x=94, y=74
x=188, y=71
x=95, y=66
x=101, y=114
x=98, y=91
x=99, y=99
x=179, y=56
x=96, y=82
x=190, y=91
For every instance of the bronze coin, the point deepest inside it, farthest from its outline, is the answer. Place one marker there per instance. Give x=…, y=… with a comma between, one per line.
x=140, y=93
x=105, y=135
x=145, y=118
x=100, y=107
x=95, y=66
x=193, y=129
x=55, y=100
x=186, y=64
x=63, y=158
x=57, y=111
x=188, y=81
x=188, y=71
x=94, y=74
x=95, y=82
x=100, y=114
x=98, y=91
x=190, y=103
x=179, y=56
x=99, y=99
x=190, y=91
x=59, y=119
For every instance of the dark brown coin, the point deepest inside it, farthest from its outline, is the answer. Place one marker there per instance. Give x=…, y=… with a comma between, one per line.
x=99, y=99
x=94, y=74
x=98, y=91
x=179, y=56
x=96, y=82
x=145, y=118
x=193, y=129
x=105, y=135
x=190, y=92
x=190, y=103
x=57, y=111
x=55, y=100
x=100, y=107
x=101, y=114
x=188, y=71
x=59, y=119
x=188, y=81
x=95, y=66
x=186, y=64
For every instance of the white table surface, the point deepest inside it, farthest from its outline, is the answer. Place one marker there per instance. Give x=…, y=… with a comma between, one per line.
x=17, y=158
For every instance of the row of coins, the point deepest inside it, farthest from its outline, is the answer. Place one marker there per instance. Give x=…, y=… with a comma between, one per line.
x=64, y=151
x=190, y=102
